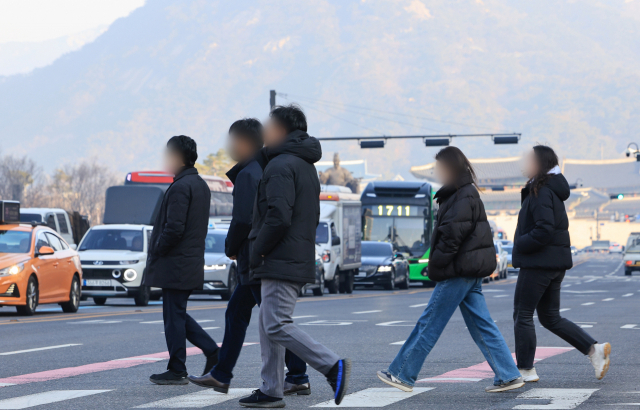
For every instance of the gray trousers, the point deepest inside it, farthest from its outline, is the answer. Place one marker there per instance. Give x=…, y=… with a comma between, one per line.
x=278, y=333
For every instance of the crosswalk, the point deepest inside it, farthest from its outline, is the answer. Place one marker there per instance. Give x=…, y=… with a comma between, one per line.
x=376, y=397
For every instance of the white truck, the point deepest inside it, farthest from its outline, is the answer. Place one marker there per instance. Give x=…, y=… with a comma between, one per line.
x=338, y=238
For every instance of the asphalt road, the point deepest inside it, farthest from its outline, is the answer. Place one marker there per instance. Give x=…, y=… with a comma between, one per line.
x=86, y=370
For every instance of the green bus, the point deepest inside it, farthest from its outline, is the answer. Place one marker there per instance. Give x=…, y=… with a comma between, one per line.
x=402, y=213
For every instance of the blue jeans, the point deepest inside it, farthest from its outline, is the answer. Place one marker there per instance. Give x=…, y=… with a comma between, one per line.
x=446, y=297
x=237, y=318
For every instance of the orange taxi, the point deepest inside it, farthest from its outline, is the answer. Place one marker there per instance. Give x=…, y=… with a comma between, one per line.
x=36, y=266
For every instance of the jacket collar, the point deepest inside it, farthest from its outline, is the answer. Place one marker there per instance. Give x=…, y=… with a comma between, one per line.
x=185, y=171
x=447, y=190
x=232, y=174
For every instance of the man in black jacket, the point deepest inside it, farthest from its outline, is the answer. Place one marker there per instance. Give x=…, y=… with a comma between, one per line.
x=245, y=141
x=285, y=218
x=176, y=258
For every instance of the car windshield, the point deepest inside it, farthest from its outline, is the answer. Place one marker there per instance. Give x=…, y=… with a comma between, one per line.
x=30, y=218
x=113, y=239
x=322, y=233
x=509, y=249
x=376, y=249
x=214, y=242
x=15, y=241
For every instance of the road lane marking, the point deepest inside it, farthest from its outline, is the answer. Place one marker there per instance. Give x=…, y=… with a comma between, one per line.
x=375, y=397
x=211, y=328
x=38, y=399
x=492, y=290
x=394, y=323
x=558, y=398
x=501, y=296
x=327, y=323
x=483, y=370
x=419, y=305
x=198, y=400
x=608, y=299
x=40, y=348
x=585, y=291
x=564, y=309
x=629, y=327
x=152, y=322
x=205, y=321
x=367, y=311
x=627, y=295
x=400, y=343
x=303, y=317
x=588, y=303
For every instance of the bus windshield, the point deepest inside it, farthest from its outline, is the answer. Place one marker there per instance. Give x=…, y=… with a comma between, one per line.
x=407, y=234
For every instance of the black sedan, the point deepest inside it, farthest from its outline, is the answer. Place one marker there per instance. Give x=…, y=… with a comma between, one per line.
x=381, y=266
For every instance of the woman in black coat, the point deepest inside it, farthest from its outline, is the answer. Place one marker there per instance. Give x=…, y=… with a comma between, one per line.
x=542, y=251
x=462, y=253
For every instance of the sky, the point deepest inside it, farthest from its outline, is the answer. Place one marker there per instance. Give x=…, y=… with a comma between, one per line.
x=41, y=20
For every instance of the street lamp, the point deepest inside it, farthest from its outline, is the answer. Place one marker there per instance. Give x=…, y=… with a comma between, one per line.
x=635, y=151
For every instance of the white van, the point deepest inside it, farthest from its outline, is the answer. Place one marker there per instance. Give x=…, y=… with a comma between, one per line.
x=55, y=218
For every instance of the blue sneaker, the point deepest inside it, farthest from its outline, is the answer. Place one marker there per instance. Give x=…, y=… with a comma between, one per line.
x=338, y=378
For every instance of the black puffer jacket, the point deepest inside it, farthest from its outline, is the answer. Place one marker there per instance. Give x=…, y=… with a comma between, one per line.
x=542, y=237
x=461, y=245
x=176, y=248
x=286, y=212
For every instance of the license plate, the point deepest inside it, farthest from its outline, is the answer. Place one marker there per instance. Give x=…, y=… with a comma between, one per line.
x=509, y=265
x=96, y=282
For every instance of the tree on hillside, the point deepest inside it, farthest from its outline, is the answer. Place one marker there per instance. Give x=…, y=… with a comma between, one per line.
x=216, y=164
x=18, y=177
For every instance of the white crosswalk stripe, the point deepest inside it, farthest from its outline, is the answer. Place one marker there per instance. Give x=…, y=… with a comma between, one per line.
x=558, y=398
x=197, y=400
x=53, y=396
x=375, y=397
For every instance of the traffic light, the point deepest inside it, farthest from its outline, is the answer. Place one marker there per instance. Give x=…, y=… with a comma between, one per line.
x=616, y=196
x=620, y=196
x=372, y=144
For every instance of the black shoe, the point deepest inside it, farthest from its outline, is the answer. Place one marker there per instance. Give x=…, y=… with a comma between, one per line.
x=211, y=362
x=298, y=389
x=169, y=377
x=260, y=400
x=210, y=382
x=338, y=378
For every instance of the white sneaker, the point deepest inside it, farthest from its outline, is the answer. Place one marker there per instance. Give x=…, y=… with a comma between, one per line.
x=529, y=376
x=600, y=359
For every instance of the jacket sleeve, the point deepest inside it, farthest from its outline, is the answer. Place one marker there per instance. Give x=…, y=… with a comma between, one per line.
x=244, y=196
x=178, y=199
x=456, y=225
x=281, y=193
x=543, y=223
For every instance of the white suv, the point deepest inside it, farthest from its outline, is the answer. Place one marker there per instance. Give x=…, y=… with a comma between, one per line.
x=114, y=259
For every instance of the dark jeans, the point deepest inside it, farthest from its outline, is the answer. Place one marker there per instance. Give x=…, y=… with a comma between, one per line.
x=237, y=318
x=540, y=290
x=180, y=327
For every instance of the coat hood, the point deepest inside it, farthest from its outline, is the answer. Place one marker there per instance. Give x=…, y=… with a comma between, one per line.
x=299, y=144
x=557, y=183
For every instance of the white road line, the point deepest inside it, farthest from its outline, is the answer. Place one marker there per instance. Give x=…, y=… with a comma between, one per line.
x=205, y=321
x=375, y=397
x=460, y=379
x=367, y=311
x=586, y=326
x=564, y=309
x=40, y=348
x=585, y=291
x=153, y=322
x=420, y=305
x=393, y=323
x=7, y=384
x=588, y=303
x=501, y=296
x=303, y=317
x=400, y=343
x=49, y=397
x=327, y=323
x=492, y=290
x=608, y=299
x=198, y=400
x=211, y=328
x=81, y=322
x=629, y=327
x=627, y=295
x=558, y=398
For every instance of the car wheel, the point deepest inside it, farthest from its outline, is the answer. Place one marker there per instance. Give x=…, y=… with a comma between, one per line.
x=392, y=281
x=232, y=283
x=405, y=282
x=334, y=284
x=74, y=297
x=99, y=301
x=351, y=278
x=142, y=298
x=32, y=298
x=627, y=272
x=319, y=291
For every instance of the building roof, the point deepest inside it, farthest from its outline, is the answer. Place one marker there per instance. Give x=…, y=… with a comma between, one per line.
x=490, y=171
x=612, y=176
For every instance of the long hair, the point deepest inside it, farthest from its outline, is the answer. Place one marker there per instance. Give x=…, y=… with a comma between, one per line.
x=547, y=159
x=457, y=163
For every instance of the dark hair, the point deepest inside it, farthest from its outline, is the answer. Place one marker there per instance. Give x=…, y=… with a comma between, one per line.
x=290, y=117
x=186, y=147
x=547, y=159
x=457, y=163
x=249, y=129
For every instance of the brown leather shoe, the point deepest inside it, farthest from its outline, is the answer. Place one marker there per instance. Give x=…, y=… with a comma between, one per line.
x=299, y=389
x=210, y=382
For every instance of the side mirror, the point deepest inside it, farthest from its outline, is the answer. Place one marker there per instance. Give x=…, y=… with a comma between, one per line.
x=73, y=246
x=335, y=240
x=45, y=250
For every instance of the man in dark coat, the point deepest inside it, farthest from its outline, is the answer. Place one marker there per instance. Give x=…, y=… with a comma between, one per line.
x=285, y=218
x=245, y=142
x=176, y=258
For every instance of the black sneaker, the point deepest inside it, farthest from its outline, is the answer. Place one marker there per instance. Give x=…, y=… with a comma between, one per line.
x=211, y=362
x=169, y=377
x=338, y=378
x=260, y=400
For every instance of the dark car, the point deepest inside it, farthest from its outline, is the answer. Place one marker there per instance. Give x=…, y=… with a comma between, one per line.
x=318, y=287
x=381, y=266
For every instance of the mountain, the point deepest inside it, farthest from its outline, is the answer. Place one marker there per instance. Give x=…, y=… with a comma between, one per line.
x=561, y=72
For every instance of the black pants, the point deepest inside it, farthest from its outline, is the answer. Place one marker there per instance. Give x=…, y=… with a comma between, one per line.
x=180, y=327
x=540, y=290
x=237, y=318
